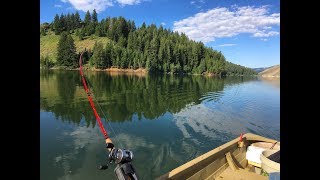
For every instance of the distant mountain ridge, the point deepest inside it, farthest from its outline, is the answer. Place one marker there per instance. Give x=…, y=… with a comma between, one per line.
x=273, y=71
x=259, y=69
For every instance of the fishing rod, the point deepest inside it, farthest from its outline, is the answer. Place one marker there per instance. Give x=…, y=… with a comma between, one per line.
x=122, y=157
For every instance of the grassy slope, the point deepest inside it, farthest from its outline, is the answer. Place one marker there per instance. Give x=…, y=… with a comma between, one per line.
x=48, y=44
x=273, y=71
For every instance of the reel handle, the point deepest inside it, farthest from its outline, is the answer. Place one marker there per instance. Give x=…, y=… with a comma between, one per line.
x=103, y=167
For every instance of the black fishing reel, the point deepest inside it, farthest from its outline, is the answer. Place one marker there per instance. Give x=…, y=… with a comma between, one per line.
x=120, y=156
x=123, y=159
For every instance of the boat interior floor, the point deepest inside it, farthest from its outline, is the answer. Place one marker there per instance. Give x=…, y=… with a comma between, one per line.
x=240, y=174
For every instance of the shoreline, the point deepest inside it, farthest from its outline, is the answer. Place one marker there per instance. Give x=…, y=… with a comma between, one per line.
x=269, y=76
x=110, y=70
x=139, y=71
x=118, y=70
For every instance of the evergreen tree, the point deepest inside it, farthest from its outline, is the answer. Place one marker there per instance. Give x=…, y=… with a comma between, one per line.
x=124, y=59
x=122, y=42
x=94, y=17
x=89, y=29
x=77, y=21
x=201, y=67
x=81, y=34
x=98, y=31
x=143, y=26
x=56, y=24
x=172, y=68
x=106, y=27
x=87, y=18
x=162, y=53
x=77, y=32
x=66, y=54
x=136, y=60
x=73, y=22
x=68, y=22
x=132, y=26
x=98, y=57
x=102, y=24
x=108, y=54
x=62, y=24
x=121, y=28
x=153, y=51
x=130, y=43
x=148, y=64
x=112, y=29
x=72, y=56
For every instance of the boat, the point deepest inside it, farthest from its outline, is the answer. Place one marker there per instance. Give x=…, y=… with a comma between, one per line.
x=249, y=157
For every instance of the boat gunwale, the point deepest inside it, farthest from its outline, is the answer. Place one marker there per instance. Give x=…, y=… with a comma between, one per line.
x=218, y=151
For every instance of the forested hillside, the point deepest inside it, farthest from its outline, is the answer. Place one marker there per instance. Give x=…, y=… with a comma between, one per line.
x=117, y=42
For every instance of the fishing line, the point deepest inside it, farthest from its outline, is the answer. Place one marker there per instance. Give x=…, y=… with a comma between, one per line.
x=108, y=121
x=101, y=110
x=103, y=131
x=122, y=157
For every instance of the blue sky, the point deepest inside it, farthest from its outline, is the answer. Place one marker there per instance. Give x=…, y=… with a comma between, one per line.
x=247, y=32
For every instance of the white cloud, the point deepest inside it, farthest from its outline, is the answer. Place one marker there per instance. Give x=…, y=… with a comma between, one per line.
x=197, y=3
x=163, y=23
x=224, y=45
x=265, y=34
x=57, y=6
x=222, y=22
x=211, y=123
x=99, y=5
x=85, y=5
x=128, y=2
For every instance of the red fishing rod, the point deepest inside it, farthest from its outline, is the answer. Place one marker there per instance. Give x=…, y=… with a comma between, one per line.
x=122, y=157
x=104, y=132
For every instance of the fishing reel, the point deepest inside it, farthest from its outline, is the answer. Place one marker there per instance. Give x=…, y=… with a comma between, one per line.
x=123, y=159
x=120, y=156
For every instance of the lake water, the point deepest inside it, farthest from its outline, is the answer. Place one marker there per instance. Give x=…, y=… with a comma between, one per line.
x=165, y=120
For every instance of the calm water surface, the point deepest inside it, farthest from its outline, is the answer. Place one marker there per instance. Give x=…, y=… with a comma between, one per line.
x=165, y=120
